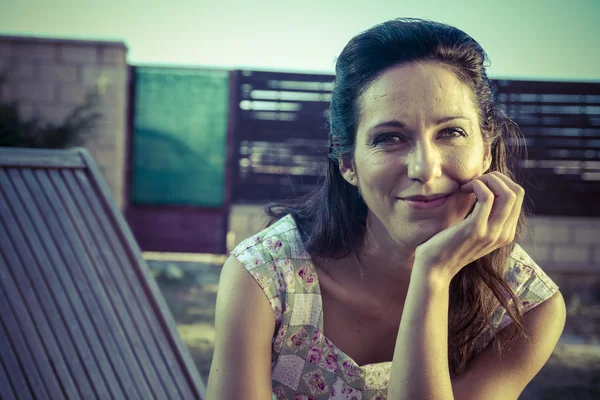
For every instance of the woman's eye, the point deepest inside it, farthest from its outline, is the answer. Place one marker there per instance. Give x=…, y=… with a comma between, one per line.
x=388, y=138
x=454, y=132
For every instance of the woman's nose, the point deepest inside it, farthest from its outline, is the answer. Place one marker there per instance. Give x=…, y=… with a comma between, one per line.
x=424, y=162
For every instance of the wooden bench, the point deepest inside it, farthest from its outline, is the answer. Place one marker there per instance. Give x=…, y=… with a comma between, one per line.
x=80, y=314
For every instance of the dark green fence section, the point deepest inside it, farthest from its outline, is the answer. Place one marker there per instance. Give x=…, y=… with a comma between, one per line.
x=180, y=137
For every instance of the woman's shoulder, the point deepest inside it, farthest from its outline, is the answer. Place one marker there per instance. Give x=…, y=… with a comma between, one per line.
x=274, y=257
x=529, y=281
x=280, y=240
x=530, y=284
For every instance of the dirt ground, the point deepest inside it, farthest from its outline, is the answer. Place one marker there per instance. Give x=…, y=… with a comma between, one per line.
x=572, y=372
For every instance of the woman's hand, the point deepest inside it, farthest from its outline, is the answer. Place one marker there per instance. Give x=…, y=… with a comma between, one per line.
x=491, y=225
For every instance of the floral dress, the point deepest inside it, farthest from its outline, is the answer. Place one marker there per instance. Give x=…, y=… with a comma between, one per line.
x=306, y=365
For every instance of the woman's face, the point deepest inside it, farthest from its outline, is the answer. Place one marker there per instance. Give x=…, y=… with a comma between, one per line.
x=418, y=134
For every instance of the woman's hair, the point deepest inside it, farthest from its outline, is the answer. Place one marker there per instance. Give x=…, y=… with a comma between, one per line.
x=332, y=219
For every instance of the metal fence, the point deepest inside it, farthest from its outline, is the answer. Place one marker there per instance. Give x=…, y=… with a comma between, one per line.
x=561, y=125
x=280, y=134
x=280, y=138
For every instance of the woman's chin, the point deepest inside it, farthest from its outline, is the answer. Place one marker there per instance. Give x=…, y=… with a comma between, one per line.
x=426, y=230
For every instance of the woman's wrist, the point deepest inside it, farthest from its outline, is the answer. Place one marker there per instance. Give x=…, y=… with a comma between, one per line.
x=433, y=278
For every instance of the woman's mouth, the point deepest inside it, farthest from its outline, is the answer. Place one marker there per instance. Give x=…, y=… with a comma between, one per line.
x=426, y=204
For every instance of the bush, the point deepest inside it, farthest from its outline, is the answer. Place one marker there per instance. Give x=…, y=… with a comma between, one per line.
x=15, y=131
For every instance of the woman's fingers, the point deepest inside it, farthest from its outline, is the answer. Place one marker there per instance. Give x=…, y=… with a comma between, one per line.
x=483, y=208
x=516, y=211
x=498, y=222
x=504, y=200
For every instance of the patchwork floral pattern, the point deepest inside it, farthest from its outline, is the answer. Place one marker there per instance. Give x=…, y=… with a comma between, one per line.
x=278, y=343
x=315, y=380
x=307, y=274
x=350, y=370
x=307, y=365
x=377, y=378
x=300, y=396
x=279, y=392
x=323, y=352
x=298, y=340
x=342, y=391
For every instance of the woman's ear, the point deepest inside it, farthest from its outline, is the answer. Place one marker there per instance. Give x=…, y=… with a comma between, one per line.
x=487, y=158
x=347, y=170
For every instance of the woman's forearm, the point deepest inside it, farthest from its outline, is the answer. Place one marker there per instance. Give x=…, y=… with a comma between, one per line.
x=420, y=363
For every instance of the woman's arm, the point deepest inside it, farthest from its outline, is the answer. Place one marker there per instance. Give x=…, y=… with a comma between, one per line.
x=491, y=377
x=244, y=326
x=420, y=364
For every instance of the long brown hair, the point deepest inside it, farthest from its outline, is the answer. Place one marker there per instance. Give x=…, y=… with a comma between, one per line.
x=332, y=219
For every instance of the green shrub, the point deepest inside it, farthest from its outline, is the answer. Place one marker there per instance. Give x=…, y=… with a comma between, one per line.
x=16, y=131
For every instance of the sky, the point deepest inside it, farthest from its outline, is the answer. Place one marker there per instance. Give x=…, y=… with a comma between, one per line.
x=525, y=39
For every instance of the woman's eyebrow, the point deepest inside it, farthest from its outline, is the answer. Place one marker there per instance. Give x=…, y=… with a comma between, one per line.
x=399, y=124
x=446, y=119
x=387, y=124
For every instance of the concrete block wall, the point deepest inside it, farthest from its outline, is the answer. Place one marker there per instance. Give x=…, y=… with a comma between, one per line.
x=557, y=244
x=244, y=221
x=50, y=77
x=564, y=244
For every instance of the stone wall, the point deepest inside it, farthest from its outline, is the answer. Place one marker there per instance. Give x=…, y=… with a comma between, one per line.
x=50, y=77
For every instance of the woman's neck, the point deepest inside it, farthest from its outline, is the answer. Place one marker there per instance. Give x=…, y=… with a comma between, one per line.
x=381, y=254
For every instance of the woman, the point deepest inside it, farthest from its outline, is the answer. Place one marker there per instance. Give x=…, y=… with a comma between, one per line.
x=399, y=277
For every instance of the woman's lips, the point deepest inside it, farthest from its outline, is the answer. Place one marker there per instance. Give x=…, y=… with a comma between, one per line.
x=426, y=205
